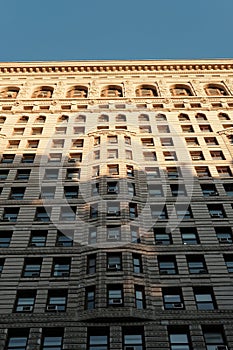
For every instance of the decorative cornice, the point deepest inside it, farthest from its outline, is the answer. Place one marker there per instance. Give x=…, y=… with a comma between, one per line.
x=116, y=66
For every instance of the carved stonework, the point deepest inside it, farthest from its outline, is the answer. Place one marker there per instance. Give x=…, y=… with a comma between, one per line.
x=198, y=89
x=163, y=88
x=94, y=90
x=129, y=89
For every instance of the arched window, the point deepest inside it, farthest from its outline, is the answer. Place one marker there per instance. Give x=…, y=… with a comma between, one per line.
x=183, y=117
x=63, y=118
x=23, y=119
x=112, y=91
x=9, y=92
x=215, y=90
x=103, y=118
x=81, y=118
x=181, y=90
x=77, y=92
x=146, y=91
x=43, y=92
x=121, y=118
x=143, y=118
x=223, y=116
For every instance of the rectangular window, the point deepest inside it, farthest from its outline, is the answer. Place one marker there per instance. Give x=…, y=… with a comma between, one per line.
x=114, y=262
x=228, y=187
x=23, y=174
x=196, y=155
x=3, y=174
x=155, y=190
x=204, y=297
x=47, y=192
x=13, y=144
x=5, y=239
x=205, y=128
x=75, y=158
x=25, y=301
x=113, y=233
x=140, y=300
x=77, y=143
x=51, y=174
x=38, y=238
x=214, y=337
x=224, y=171
x=2, y=261
x=229, y=262
x=163, y=129
x=112, y=153
x=167, y=265
x=147, y=142
x=10, y=214
x=173, y=172
x=166, y=141
x=91, y=264
x=189, y=235
x=65, y=239
x=98, y=338
x=131, y=189
x=217, y=155
x=115, y=295
x=183, y=213
x=137, y=263
x=7, y=158
x=17, y=193
x=17, y=339
x=178, y=190
x=133, y=211
x=216, y=211
x=32, y=267
x=43, y=214
x=134, y=232
x=149, y=156
x=202, y=171
x=129, y=171
x=172, y=298
x=61, y=267
x=209, y=190
x=112, y=187
x=113, y=169
x=90, y=298
x=159, y=212
x=144, y=129
x=187, y=128
x=57, y=300
x=152, y=173
x=211, y=141
x=94, y=211
x=179, y=338
x=112, y=139
x=92, y=236
x=224, y=235
x=191, y=141
x=113, y=209
x=161, y=236
x=196, y=264
x=133, y=338
x=128, y=154
x=73, y=174
x=68, y=213
x=59, y=143
x=33, y=144
x=52, y=339
x=71, y=192
x=28, y=158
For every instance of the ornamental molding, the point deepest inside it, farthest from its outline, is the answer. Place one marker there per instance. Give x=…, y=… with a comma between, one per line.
x=116, y=67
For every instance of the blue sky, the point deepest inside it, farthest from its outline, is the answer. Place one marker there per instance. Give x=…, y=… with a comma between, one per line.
x=120, y=29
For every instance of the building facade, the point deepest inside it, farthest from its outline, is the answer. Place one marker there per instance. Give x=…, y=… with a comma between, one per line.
x=116, y=205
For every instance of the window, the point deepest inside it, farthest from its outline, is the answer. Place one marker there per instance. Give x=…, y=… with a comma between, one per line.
x=103, y=118
x=43, y=92
x=128, y=154
x=214, y=337
x=155, y=190
x=91, y=264
x=209, y=190
x=112, y=91
x=143, y=118
x=200, y=116
x=211, y=141
x=90, y=298
x=43, y=214
x=95, y=171
x=133, y=211
x=147, y=142
x=131, y=189
x=149, y=156
x=224, y=235
x=159, y=212
x=196, y=264
x=18, y=131
x=13, y=144
x=229, y=262
x=216, y=211
x=196, y=155
x=134, y=232
x=189, y=235
x=5, y=239
x=25, y=301
x=137, y=263
x=61, y=267
x=114, y=262
x=202, y=171
x=32, y=143
x=115, y=295
x=215, y=90
x=65, y=239
x=223, y=116
x=71, y=192
x=40, y=119
x=68, y=213
x=2, y=120
x=51, y=174
x=152, y=173
x=95, y=189
x=54, y=157
x=2, y=261
x=172, y=298
x=178, y=190
x=180, y=90
x=183, y=117
x=28, y=158
x=167, y=265
x=112, y=153
x=73, y=174
x=113, y=169
x=217, y=155
x=166, y=141
x=127, y=140
x=133, y=338
x=32, y=267
x=98, y=338
x=60, y=130
x=17, y=339
x=129, y=171
x=47, y=192
x=38, y=238
x=23, y=174
x=3, y=174
x=79, y=130
x=75, y=158
x=17, y=193
x=160, y=117
x=23, y=120
x=7, y=158
x=140, y=300
x=120, y=118
x=94, y=211
x=96, y=141
x=113, y=233
x=59, y=143
x=187, y=128
x=204, y=298
x=173, y=172
x=52, y=339
x=37, y=131
x=112, y=187
x=57, y=300
x=146, y=91
x=224, y=171
x=163, y=129
x=183, y=213
x=161, y=236
x=112, y=139
x=10, y=214
x=92, y=236
x=170, y=156
x=191, y=141
x=96, y=155
x=205, y=128
x=113, y=209
x=77, y=92
x=179, y=338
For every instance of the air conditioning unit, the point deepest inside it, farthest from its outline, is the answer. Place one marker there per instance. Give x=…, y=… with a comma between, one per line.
x=25, y=308
x=113, y=212
x=221, y=347
x=113, y=267
x=112, y=190
x=115, y=301
x=52, y=308
x=217, y=215
x=114, y=237
x=225, y=240
x=177, y=306
x=213, y=193
x=196, y=158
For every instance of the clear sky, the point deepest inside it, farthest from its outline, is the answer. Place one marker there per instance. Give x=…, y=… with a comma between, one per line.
x=115, y=29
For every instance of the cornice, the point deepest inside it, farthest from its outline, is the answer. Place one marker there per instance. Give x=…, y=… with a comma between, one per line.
x=53, y=67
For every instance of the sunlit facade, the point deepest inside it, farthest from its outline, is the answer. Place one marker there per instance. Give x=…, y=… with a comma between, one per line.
x=116, y=205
